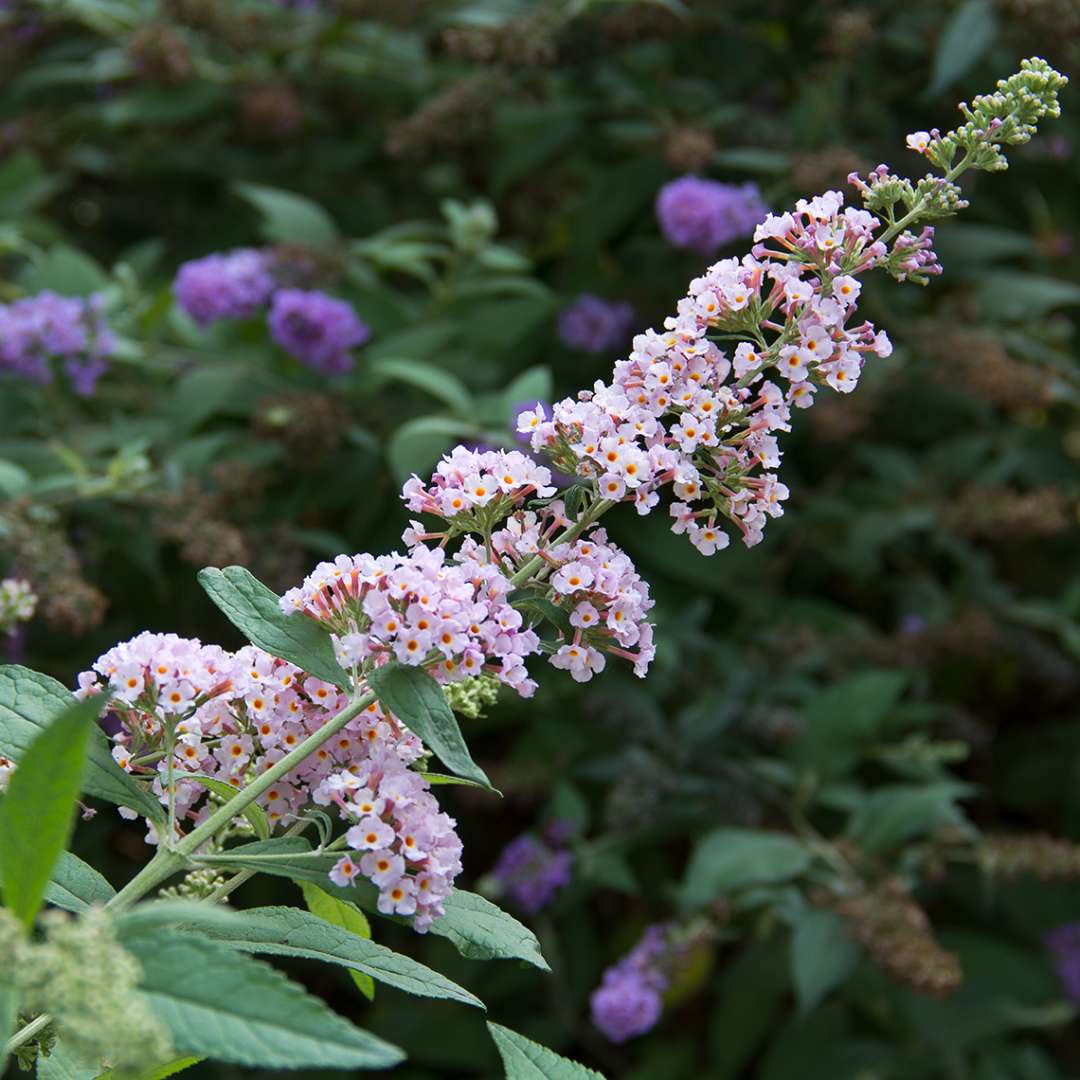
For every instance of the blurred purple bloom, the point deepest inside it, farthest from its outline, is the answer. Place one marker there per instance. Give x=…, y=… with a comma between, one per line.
x=47, y=327
x=228, y=285
x=532, y=873
x=704, y=215
x=317, y=329
x=628, y=1001
x=593, y=324
x=1064, y=943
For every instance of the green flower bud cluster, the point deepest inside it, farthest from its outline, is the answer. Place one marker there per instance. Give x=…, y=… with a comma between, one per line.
x=471, y=696
x=197, y=885
x=1007, y=117
x=82, y=976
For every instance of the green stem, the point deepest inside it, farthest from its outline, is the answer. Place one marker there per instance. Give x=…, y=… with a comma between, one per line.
x=26, y=1033
x=165, y=863
x=916, y=211
x=234, y=883
x=601, y=506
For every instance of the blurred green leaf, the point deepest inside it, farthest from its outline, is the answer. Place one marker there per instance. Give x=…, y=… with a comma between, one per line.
x=1015, y=294
x=842, y=721
x=419, y=443
x=24, y=185
x=37, y=815
x=970, y=31
x=289, y=218
x=894, y=813
x=433, y=380
x=823, y=954
x=64, y=270
x=727, y=860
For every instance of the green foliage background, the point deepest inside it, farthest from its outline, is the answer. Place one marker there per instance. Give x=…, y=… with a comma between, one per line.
x=887, y=683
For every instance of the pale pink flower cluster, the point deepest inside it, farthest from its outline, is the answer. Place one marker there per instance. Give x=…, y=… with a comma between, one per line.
x=596, y=583
x=680, y=411
x=408, y=847
x=232, y=716
x=453, y=618
x=467, y=482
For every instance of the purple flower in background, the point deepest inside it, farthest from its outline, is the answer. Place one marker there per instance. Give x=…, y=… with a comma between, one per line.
x=1064, y=943
x=229, y=285
x=531, y=872
x=593, y=324
x=317, y=329
x=629, y=1000
x=47, y=327
x=703, y=215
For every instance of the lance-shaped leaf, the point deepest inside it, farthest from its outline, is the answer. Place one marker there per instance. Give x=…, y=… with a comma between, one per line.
x=285, y=931
x=9, y=1015
x=349, y=917
x=73, y=885
x=476, y=927
x=414, y=697
x=524, y=1059
x=253, y=609
x=38, y=811
x=29, y=703
x=219, y=1003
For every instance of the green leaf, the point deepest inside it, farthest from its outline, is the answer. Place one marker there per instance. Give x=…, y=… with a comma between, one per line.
x=349, y=917
x=845, y=719
x=253, y=609
x=897, y=812
x=481, y=930
x=62, y=1064
x=29, y=703
x=219, y=1003
x=1016, y=294
x=37, y=815
x=432, y=380
x=967, y=35
x=14, y=480
x=415, y=698
x=420, y=442
x=154, y=914
x=533, y=384
x=254, y=813
x=9, y=1016
x=159, y=1072
x=476, y=927
x=24, y=185
x=524, y=1059
x=823, y=954
x=286, y=931
x=64, y=270
x=441, y=778
x=727, y=860
x=289, y=218
x=542, y=608
x=75, y=885
x=750, y=1001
